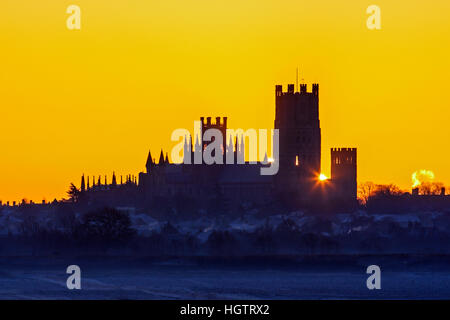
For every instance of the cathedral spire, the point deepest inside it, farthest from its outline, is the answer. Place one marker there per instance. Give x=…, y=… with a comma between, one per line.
x=149, y=163
x=167, y=158
x=187, y=151
x=198, y=152
x=161, y=158
x=114, y=181
x=83, y=186
x=241, y=153
x=197, y=144
x=237, y=148
x=230, y=148
x=191, y=149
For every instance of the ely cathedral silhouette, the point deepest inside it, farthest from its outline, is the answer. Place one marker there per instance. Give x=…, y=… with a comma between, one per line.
x=297, y=182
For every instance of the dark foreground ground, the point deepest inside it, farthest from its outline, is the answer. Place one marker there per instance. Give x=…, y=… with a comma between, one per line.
x=323, y=277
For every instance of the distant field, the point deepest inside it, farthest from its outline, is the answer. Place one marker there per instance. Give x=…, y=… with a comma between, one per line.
x=325, y=277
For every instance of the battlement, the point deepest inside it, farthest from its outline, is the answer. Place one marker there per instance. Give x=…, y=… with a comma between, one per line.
x=344, y=173
x=343, y=150
x=291, y=89
x=220, y=122
x=343, y=156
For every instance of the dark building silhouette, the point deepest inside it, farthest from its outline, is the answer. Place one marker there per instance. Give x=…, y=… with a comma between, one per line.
x=82, y=187
x=125, y=193
x=228, y=183
x=343, y=173
x=297, y=118
x=218, y=125
x=297, y=181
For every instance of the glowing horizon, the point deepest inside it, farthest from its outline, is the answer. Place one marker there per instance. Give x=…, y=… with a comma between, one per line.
x=95, y=100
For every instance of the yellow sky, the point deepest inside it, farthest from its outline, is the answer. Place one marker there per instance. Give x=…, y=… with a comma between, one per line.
x=95, y=100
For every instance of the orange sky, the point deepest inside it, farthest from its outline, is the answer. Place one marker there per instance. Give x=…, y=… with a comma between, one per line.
x=95, y=100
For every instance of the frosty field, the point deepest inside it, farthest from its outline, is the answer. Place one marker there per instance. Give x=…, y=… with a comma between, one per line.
x=341, y=277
